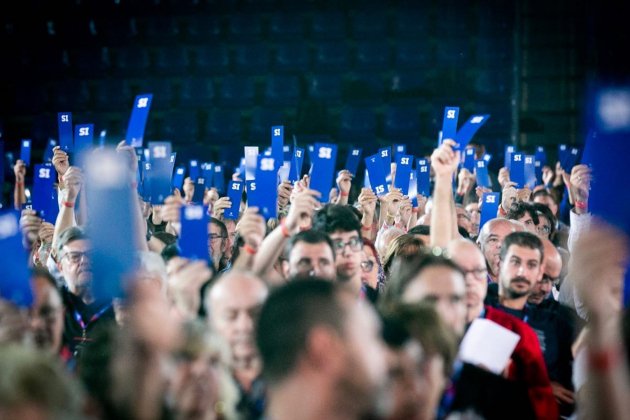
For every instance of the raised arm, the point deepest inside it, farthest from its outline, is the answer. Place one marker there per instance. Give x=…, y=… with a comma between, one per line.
x=444, y=162
x=19, y=196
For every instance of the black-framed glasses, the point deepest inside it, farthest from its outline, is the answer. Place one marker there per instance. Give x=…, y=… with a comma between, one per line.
x=75, y=256
x=214, y=236
x=546, y=229
x=355, y=244
x=367, y=266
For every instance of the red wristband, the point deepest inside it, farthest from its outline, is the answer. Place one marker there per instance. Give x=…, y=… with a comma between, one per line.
x=249, y=249
x=19, y=183
x=582, y=205
x=284, y=230
x=68, y=204
x=603, y=360
x=366, y=228
x=344, y=194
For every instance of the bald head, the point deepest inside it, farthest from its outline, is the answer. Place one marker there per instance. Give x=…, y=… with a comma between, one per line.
x=552, y=266
x=233, y=304
x=491, y=238
x=472, y=262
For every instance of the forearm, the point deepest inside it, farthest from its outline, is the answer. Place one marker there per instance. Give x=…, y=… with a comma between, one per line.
x=140, y=224
x=19, y=196
x=270, y=249
x=442, y=220
x=82, y=216
x=65, y=220
x=367, y=226
x=343, y=198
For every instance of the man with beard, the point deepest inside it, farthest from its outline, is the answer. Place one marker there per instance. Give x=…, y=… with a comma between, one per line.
x=82, y=312
x=321, y=351
x=490, y=240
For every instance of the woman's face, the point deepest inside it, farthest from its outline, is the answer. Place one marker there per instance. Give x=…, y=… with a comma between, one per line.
x=369, y=267
x=196, y=385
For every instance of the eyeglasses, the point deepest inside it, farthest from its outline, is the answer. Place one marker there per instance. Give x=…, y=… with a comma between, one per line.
x=214, y=236
x=75, y=256
x=548, y=279
x=367, y=266
x=355, y=244
x=543, y=229
x=478, y=273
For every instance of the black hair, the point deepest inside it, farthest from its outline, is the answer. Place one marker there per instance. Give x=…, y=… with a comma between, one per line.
x=165, y=237
x=287, y=318
x=170, y=251
x=222, y=227
x=518, y=210
x=544, y=193
x=424, y=230
x=522, y=239
x=546, y=212
x=335, y=217
x=311, y=236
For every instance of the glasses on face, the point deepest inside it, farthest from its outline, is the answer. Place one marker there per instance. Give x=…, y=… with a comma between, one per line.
x=545, y=229
x=367, y=266
x=214, y=236
x=355, y=244
x=75, y=256
x=478, y=273
x=548, y=279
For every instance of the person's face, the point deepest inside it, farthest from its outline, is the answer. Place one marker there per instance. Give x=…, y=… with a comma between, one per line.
x=348, y=250
x=311, y=260
x=196, y=385
x=463, y=219
x=443, y=287
x=234, y=309
x=543, y=228
x=75, y=266
x=547, y=201
x=551, y=273
x=217, y=243
x=46, y=315
x=491, y=246
x=369, y=268
x=405, y=382
x=472, y=263
x=475, y=218
x=527, y=220
x=231, y=229
x=521, y=269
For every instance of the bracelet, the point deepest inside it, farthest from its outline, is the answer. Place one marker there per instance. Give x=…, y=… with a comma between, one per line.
x=249, y=249
x=19, y=183
x=582, y=205
x=284, y=229
x=68, y=204
x=366, y=228
x=603, y=360
x=344, y=194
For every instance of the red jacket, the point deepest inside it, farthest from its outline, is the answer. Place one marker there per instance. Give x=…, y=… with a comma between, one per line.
x=528, y=364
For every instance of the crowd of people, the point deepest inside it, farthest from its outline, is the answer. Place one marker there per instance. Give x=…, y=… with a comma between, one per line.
x=354, y=309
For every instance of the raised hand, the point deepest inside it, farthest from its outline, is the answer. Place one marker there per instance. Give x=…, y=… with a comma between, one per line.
x=301, y=210
x=72, y=184
x=344, y=182
x=30, y=224
x=579, y=186
x=60, y=161
x=219, y=207
x=503, y=177
x=252, y=227
x=19, y=169
x=129, y=154
x=189, y=189
x=171, y=212
x=548, y=175
x=284, y=194
x=391, y=202
x=367, y=200
x=444, y=160
x=509, y=195
x=465, y=181
x=185, y=279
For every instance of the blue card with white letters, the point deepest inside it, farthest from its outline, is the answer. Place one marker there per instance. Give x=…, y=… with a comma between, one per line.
x=469, y=159
x=200, y=190
x=489, y=207
x=385, y=156
x=83, y=139
x=449, y=123
x=266, y=181
x=466, y=133
x=323, y=159
x=571, y=157
x=194, y=171
x=562, y=153
x=487, y=157
x=252, y=192
x=296, y=165
x=352, y=162
x=400, y=149
x=251, y=160
x=161, y=171
x=517, y=170
x=481, y=174
x=25, y=151
x=529, y=171
x=235, y=193
x=403, y=171
x=207, y=172
x=43, y=185
x=178, y=177
x=277, y=144
x=374, y=167
x=509, y=150
x=423, y=174
x=193, y=241
x=48, y=153
x=218, y=181
x=15, y=285
x=138, y=119
x=64, y=125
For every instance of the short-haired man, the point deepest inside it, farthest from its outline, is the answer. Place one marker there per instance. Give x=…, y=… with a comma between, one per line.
x=310, y=254
x=490, y=240
x=321, y=351
x=218, y=243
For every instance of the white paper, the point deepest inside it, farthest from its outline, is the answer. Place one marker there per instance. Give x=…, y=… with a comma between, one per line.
x=488, y=344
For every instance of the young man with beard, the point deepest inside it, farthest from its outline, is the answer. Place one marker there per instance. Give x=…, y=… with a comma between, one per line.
x=322, y=353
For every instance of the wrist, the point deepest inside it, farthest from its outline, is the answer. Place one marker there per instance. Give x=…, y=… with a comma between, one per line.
x=602, y=360
x=286, y=232
x=249, y=249
x=344, y=193
x=581, y=206
x=69, y=204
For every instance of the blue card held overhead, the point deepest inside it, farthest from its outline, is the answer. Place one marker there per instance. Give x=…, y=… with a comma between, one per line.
x=517, y=170
x=352, y=162
x=400, y=149
x=193, y=241
x=83, y=139
x=25, y=151
x=200, y=190
x=235, y=193
x=413, y=188
x=277, y=144
x=385, y=156
x=218, y=181
x=403, y=171
x=15, y=285
x=194, y=171
x=48, y=153
x=487, y=157
x=466, y=133
x=469, y=159
x=161, y=171
x=144, y=187
x=2, y=157
x=252, y=192
x=266, y=182
x=449, y=123
x=481, y=174
x=286, y=152
x=377, y=176
x=111, y=227
x=529, y=171
x=178, y=177
x=489, y=207
x=64, y=125
x=102, y=138
x=251, y=160
x=571, y=158
x=423, y=173
x=323, y=159
x=562, y=152
x=43, y=187
x=507, y=157
x=540, y=155
x=138, y=119
x=283, y=172
x=207, y=172
x=296, y=165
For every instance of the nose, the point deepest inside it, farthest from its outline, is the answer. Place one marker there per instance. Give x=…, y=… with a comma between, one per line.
x=245, y=323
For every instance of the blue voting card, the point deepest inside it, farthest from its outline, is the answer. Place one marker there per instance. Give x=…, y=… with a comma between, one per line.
x=377, y=176
x=352, y=162
x=385, y=156
x=251, y=160
x=267, y=152
x=83, y=139
x=507, y=161
x=517, y=170
x=64, y=125
x=538, y=171
x=413, y=188
x=172, y=160
x=481, y=174
x=529, y=171
x=252, y=192
x=540, y=155
x=15, y=285
x=178, y=177
x=218, y=181
x=423, y=173
x=286, y=152
x=138, y=119
x=487, y=157
x=469, y=159
x=366, y=179
x=207, y=172
x=323, y=159
x=48, y=153
x=200, y=190
x=193, y=241
x=400, y=149
x=562, y=152
x=144, y=187
x=283, y=172
x=111, y=226
x=403, y=171
x=161, y=171
x=277, y=144
x=296, y=165
x=571, y=158
x=1, y=169
x=194, y=171
x=44, y=177
x=489, y=207
x=234, y=193
x=449, y=123
x=466, y=133
x=266, y=181
x=25, y=151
